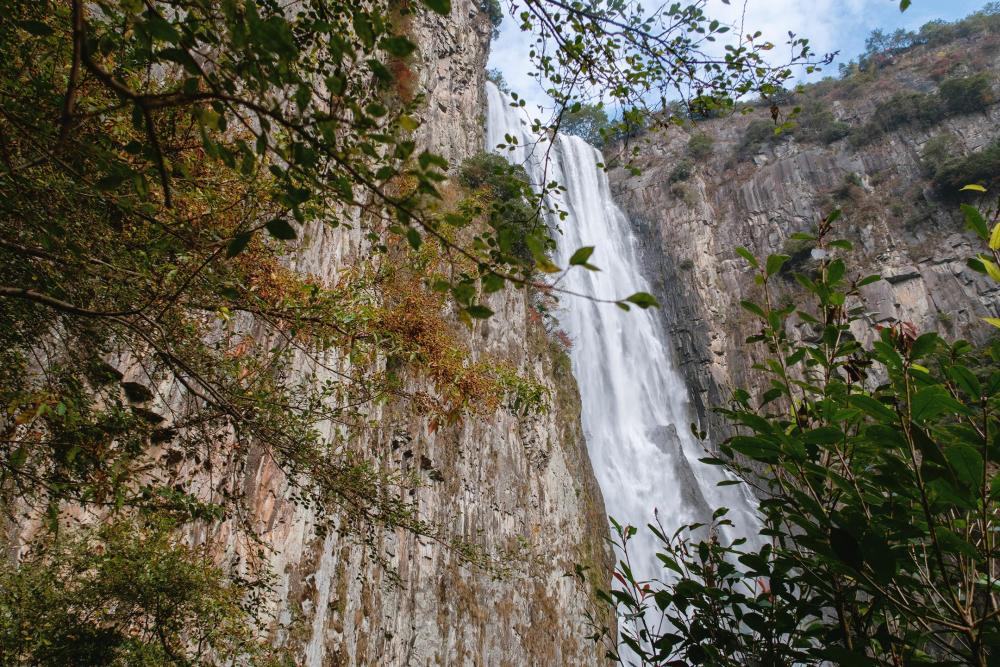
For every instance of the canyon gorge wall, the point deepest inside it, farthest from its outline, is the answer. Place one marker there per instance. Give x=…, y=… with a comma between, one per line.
x=757, y=193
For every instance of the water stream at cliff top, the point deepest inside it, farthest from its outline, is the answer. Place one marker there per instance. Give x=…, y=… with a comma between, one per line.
x=635, y=406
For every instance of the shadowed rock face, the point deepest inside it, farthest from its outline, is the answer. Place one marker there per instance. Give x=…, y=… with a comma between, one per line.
x=901, y=228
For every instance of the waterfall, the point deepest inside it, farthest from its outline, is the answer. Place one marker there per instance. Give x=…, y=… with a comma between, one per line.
x=635, y=405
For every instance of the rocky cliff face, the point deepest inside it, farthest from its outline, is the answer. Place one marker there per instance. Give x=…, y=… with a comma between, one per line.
x=901, y=227
x=502, y=483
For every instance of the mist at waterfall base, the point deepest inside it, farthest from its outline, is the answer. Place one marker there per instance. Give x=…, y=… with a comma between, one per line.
x=635, y=410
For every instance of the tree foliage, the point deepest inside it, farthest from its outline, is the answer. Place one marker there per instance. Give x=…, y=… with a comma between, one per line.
x=126, y=593
x=165, y=166
x=587, y=121
x=873, y=449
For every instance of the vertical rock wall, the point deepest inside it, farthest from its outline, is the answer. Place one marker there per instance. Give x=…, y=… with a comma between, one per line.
x=502, y=482
x=901, y=228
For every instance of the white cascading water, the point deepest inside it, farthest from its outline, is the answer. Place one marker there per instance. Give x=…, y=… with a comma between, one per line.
x=635, y=408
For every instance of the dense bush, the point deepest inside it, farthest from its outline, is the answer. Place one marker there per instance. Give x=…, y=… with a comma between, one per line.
x=880, y=46
x=494, y=11
x=817, y=123
x=958, y=95
x=495, y=76
x=758, y=134
x=967, y=94
x=981, y=167
x=127, y=593
x=907, y=108
x=520, y=229
x=682, y=171
x=900, y=110
x=700, y=146
x=936, y=151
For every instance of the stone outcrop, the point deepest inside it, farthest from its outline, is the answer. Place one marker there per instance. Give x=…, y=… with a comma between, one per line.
x=901, y=227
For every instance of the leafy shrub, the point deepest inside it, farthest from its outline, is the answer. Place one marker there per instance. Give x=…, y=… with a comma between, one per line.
x=981, y=167
x=682, y=171
x=958, y=95
x=494, y=11
x=967, y=94
x=758, y=134
x=936, y=152
x=902, y=109
x=496, y=76
x=875, y=465
x=907, y=108
x=128, y=593
x=520, y=231
x=817, y=123
x=700, y=146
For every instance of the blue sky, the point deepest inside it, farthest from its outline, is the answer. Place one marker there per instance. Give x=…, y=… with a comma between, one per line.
x=831, y=25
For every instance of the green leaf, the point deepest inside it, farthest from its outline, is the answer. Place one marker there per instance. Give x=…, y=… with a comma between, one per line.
x=932, y=401
x=967, y=464
x=873, y=407
x=748, y=256
x=966, y=380
x=398, y=46
x=426, y=159
x=479, y=312
x=408, y=122
x=492, y=282
x=868, y=280
x=924, y=345
x=238, y=244
x=953, y=543
x=753, y=308
x=643, y=300
x=975, y=187
x=824, y=435
x=846, y=547
x=775, y=262
x=18, y=458
x=974, y=221
x=442, y=7
x=36, y=28
x=581, y=256
x=413, y=236
x=835, y=271
x=280, y=229
x=111, y=181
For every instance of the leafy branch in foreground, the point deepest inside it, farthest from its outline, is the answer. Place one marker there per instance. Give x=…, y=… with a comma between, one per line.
x=874, y=451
